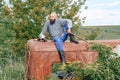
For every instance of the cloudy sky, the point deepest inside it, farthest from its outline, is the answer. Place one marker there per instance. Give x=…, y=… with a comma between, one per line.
x=102, y=12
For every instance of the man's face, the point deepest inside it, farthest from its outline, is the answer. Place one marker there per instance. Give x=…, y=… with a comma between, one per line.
x=52, y=17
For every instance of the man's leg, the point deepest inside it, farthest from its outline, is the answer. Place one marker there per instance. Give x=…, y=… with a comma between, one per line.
x=65, y=36
x=59, y=45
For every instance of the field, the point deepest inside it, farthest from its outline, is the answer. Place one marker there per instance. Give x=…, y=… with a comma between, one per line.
x=105, y=32
x=12, y=71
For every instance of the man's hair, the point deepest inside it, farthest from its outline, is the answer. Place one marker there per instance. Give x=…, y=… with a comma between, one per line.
x=54, y=13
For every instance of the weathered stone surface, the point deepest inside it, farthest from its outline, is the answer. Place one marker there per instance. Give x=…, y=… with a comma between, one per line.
x=41, y=56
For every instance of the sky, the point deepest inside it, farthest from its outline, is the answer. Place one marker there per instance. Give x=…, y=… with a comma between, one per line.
x=102, y=12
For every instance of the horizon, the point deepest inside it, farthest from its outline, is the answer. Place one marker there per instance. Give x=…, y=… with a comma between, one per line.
x=100, y=25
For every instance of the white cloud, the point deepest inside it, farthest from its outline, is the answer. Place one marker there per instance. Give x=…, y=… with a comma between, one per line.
x=107, y=4
x=103, y=13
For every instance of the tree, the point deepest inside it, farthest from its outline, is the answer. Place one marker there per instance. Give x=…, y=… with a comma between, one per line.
x=28, y=17
x=7, y=36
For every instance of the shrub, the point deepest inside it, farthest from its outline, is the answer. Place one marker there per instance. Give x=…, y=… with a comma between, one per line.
x=105, y=68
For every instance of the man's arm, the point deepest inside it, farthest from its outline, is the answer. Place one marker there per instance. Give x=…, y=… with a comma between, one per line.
x=68, y=21
x=42, y=35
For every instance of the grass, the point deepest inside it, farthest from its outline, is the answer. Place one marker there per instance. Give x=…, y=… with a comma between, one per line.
x=12, y=71
x=105, y=32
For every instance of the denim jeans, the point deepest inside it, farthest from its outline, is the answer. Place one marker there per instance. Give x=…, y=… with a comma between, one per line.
x=58, y=40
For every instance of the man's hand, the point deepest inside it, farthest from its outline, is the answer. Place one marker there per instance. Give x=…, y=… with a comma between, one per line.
x=42, y=40
x=69, y=31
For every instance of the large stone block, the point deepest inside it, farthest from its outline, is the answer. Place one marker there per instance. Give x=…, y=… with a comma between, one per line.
x=41, y=55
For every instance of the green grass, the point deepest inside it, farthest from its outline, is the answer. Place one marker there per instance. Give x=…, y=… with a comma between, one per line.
x=105, y=32
x=114, y=28
x=13, y=71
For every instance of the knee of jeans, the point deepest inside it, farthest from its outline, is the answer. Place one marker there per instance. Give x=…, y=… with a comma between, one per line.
x=58, y=40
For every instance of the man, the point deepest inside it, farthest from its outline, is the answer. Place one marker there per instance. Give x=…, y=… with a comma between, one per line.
x=58, y=29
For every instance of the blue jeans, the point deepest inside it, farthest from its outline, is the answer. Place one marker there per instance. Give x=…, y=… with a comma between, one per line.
x=60, y=39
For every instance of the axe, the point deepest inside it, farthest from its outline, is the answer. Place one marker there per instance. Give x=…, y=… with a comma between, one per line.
x=79, y=37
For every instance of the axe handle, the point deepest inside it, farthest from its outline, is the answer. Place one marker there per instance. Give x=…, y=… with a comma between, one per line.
x=78, y=37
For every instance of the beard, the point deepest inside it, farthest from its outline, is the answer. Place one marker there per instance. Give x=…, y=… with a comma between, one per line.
x=52, y=21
